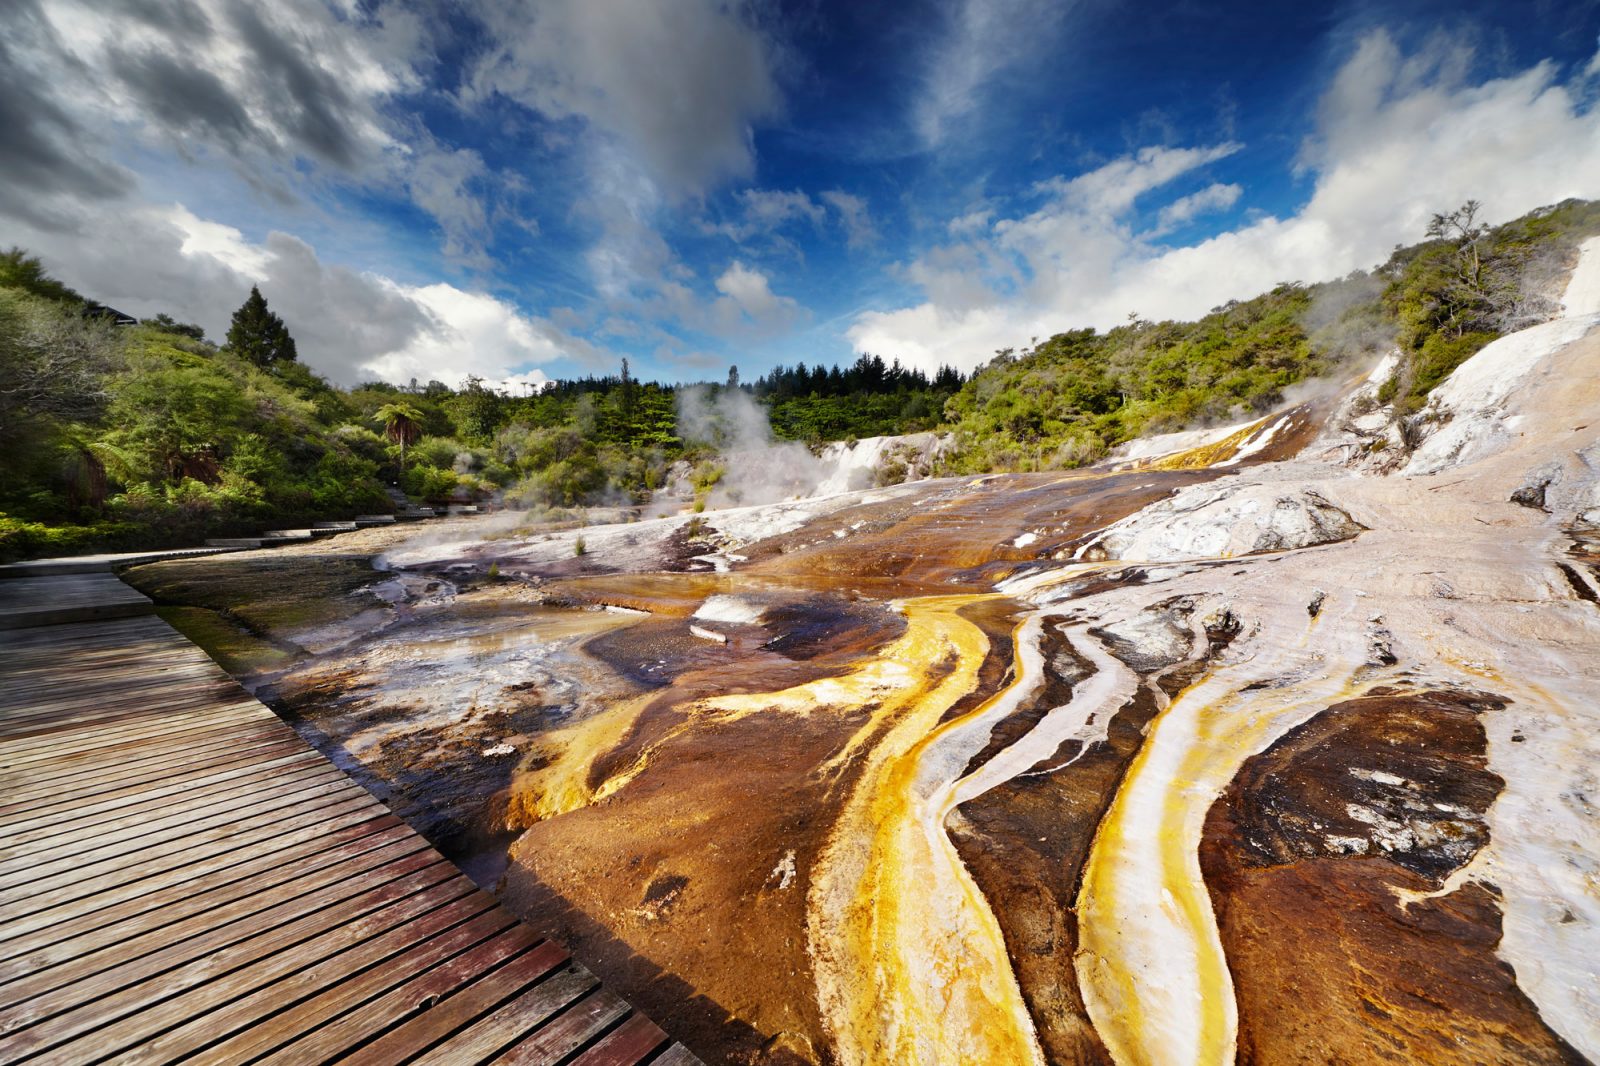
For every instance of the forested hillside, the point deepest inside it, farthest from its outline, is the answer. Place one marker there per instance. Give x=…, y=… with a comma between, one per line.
x=118, y=434
x=1071, y=398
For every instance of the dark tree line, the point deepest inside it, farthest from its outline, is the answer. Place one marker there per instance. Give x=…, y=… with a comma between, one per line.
x=869, y=374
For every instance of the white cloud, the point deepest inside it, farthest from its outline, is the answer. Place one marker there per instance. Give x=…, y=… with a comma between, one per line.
x=678, y=84
x=441, y=182
x=279, y=82
x=763, y=215
x=281, y=93
x=1398, y=137
x=473, y=333
x=749, y=306
x=770, y=208
x=1214, y=197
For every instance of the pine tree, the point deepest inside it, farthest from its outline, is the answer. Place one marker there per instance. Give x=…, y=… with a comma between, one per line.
x=259, y=335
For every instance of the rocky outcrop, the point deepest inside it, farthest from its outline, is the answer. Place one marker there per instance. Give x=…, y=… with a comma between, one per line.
x=1222, y=521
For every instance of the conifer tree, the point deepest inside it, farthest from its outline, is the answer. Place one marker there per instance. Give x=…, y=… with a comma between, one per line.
x=259, y=335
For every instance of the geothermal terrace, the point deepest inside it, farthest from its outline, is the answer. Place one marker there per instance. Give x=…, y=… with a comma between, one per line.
x=1271, y=743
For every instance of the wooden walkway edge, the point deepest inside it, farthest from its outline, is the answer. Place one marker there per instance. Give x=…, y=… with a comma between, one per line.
x=182, y=878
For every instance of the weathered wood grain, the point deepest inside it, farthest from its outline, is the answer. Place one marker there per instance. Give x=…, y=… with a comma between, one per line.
x=183, y=878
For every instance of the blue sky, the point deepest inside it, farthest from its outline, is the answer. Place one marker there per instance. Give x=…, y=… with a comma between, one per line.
x=522, y=190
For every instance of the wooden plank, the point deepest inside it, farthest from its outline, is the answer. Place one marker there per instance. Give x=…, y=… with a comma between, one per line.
x=162, y=945
x=29, y=829
x=466, y=1005
x=83, y=674
x=175, y=677
x=247, y=875
x=143, y=823
x=349, y=817
x=206, y=831
x=117, y=705
x=130, y=784
x=185, y=863
x=116, y=753
x=182, y=877
x=43, y=1022
x=315, y=1015
x=139, y=768
x=513, y=1019
x=61, y=737
x=630, y=1044
x=676, y=1055
x=120, y=714
x=157, y=1014
x=301, y=1001
x=337, y=1038
x=576, y=1026
x=37, y=838
x=204, y=910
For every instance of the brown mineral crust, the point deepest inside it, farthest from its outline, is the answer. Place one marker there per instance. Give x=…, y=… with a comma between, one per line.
x=674, y=891
x=1328, y=968
x=1024, y=843
x=1407, y=770
x=670, y=887
x=827, y=633
x=962, y=537
x=1327, y=964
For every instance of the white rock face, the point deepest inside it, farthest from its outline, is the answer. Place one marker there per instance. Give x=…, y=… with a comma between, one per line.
x=734, y=609
x=1361, y=434
x=1222, y=521
x=1583, y=290
x=1481, y=398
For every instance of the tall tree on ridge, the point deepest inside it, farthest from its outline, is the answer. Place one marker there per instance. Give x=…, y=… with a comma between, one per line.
x=259, y=335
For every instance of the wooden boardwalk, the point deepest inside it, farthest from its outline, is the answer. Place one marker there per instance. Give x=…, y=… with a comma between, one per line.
x=182, y=878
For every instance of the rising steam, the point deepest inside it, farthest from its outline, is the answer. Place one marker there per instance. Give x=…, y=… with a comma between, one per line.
x=760, y=469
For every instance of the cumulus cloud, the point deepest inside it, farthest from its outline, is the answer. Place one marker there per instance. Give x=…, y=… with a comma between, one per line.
x=260, y=83
x=1398, y=137
x=748, y=306
x=662, y=100
x=678, y=84
x=349, y=325
x=44, y=158
x=444, y=182
x=763, y=215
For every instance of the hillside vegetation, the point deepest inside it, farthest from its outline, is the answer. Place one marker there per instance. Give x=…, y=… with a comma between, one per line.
x=148, y=435
x=143, y=435
x=1070, y=399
